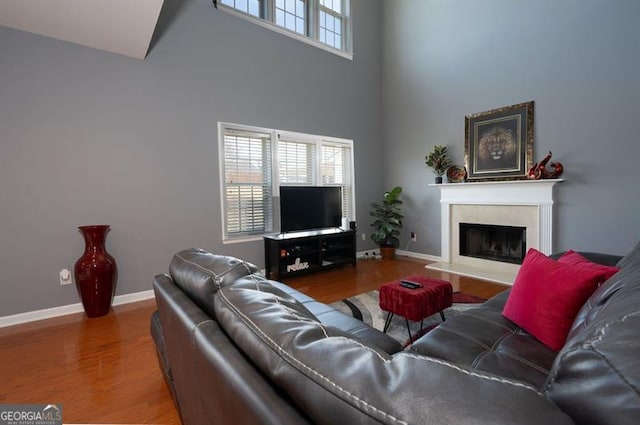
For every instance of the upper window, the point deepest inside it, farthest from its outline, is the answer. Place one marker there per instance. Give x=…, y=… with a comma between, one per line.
x=331, y=22
x=324, y=23
x=292, y=15
x=255, y=162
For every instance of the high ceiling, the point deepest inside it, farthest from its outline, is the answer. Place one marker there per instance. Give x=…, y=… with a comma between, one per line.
x=118, y=26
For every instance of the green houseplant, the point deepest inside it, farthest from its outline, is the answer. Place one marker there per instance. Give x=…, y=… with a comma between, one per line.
x=388, y=219
x=439, y=160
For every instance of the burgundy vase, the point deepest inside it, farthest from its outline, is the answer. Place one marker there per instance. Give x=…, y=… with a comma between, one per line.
x=95, y=272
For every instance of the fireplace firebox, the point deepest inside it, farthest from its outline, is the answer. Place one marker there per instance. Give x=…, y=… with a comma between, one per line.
x=491, y=242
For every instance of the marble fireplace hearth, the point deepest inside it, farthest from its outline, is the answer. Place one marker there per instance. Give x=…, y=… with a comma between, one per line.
x=524, y=204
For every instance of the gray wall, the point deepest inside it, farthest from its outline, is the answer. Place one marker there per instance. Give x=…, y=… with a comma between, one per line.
x=90, y=137
x=578, y=60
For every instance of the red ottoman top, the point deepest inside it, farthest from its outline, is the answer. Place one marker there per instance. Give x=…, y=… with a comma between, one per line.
x=416, y=304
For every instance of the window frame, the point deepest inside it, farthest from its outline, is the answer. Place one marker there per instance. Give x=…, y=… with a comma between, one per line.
x=312, y=24
x=288, y=136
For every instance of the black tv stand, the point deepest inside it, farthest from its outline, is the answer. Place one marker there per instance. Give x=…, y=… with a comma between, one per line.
x=296, y=253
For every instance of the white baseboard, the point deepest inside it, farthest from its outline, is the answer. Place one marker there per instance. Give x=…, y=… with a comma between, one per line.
x=418, y=255
x=361, y=254
x=48, y=313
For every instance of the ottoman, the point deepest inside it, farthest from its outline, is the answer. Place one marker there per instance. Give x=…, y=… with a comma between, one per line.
x=432, y=296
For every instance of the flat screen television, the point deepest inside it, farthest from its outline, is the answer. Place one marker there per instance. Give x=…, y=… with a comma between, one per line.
x=310, y=207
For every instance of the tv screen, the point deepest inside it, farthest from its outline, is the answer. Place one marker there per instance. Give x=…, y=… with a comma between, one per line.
x=310, y=207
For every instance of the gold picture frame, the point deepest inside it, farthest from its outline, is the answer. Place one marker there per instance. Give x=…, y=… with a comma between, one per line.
x=498, y=144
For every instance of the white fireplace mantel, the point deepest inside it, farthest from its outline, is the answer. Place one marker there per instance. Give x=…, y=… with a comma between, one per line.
x=536, y=193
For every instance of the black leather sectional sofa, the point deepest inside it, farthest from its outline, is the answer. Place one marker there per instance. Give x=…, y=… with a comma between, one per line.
x=235, y=347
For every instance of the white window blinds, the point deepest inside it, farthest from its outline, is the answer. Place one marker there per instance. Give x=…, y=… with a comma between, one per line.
x=335, y=164
x=247, y=183
x=295, y=162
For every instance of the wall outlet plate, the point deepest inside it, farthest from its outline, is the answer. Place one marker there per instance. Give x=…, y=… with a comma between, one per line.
x=66, y=278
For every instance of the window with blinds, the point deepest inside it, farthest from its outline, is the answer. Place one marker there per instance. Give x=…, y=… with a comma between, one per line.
x=247, y=183
x=256, y=161
x=336, y=164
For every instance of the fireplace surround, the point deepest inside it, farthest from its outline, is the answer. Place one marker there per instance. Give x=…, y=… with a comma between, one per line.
x=524, y=204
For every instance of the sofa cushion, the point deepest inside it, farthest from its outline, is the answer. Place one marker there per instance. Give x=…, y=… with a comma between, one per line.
x=332, y=317
x=575, y=259
x=481, y=338
x=335, y=378
x=200, y=274
x=547, y=296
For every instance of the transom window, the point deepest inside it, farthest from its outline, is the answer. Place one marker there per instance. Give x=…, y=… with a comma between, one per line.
x=331, y=21
x=324, y=23
x=291, y=14
x=256, y=161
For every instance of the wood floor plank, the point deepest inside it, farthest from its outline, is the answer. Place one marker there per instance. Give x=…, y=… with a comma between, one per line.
x=104, y=370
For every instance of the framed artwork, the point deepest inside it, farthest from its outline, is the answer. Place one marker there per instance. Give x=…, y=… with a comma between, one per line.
x=498, y=144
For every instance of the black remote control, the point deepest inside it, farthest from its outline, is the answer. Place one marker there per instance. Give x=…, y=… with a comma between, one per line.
x=410, y=285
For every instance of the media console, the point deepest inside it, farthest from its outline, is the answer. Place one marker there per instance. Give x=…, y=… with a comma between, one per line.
x=289, y=254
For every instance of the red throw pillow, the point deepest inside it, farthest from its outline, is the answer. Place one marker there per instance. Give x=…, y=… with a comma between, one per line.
x=575, y=259
x=547, y=295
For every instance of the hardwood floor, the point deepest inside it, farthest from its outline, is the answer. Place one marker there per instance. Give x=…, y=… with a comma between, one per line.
x=104, y=370
x=337, y=284
x=101, y=370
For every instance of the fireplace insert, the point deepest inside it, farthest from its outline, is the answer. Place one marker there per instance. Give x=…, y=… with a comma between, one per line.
x=491, y=242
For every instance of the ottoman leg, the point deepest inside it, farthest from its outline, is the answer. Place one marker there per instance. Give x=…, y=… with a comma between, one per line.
x=387, y=322
x=409, y=330
x=442, y=315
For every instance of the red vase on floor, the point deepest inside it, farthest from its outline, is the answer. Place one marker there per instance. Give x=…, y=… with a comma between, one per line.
x=95, y=272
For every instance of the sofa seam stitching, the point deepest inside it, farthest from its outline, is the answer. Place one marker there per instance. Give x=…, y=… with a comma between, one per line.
x=216, y=276
x=475, y=374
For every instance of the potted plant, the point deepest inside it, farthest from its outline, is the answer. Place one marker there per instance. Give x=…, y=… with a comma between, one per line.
x=439, y=160
x=388, y=220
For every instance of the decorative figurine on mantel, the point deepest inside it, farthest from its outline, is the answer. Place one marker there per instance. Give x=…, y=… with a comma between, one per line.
x=439, y=160
x=539, y=169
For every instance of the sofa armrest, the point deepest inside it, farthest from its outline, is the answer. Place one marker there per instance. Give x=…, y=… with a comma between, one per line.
x=214, y=382
x=596, y=257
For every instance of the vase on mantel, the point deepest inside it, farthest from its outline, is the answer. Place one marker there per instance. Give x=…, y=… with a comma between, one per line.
x=95, y=272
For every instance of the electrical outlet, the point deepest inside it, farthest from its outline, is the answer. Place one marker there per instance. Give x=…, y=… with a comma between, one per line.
x=414, y=237
x=364, y=236
x=65, y=277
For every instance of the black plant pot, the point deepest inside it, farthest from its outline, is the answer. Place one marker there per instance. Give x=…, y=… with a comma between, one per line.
x=439, y=180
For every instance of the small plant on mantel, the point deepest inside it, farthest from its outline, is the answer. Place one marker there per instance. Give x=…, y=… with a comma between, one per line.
x=388, y=221
x=439, y=160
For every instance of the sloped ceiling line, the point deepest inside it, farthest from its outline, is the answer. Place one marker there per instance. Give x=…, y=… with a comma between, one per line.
x=119, y=26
